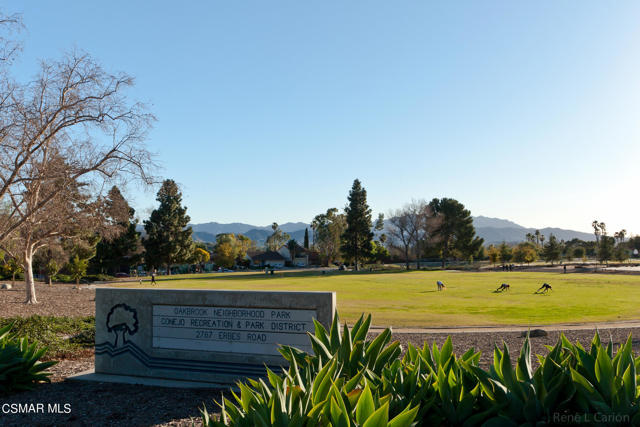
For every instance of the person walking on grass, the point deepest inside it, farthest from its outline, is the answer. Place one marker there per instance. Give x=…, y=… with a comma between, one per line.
x=441, y=285
x=153, y=278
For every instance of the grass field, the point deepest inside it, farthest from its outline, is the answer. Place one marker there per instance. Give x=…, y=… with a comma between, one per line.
x=411, y=298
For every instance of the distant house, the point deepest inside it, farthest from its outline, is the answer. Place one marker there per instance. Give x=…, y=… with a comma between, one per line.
x=268, y=258
x=301, y=258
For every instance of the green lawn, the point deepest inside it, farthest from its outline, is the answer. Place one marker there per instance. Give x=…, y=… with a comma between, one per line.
x=411, y=299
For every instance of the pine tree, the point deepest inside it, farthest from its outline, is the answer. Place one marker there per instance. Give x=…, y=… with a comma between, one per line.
x=356, y=240
x=306, y=238
x=552, y=250
x=123, y=249
x=168, y=238
x=455, y=233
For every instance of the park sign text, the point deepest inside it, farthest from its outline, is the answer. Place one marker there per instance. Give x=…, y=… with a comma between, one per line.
x=208, y=336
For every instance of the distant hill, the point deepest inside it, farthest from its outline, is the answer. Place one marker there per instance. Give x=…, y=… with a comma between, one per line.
x=485, y=221
x=492, y=230
x=496, y=230
x=207, y=232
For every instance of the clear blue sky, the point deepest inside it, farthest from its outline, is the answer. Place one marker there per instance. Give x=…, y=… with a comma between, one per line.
x=267, y=110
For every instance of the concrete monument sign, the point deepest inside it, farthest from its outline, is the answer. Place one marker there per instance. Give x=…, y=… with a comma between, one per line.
x=202, y=335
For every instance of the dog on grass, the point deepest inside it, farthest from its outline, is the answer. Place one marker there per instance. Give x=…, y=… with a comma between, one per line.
x=503, y=287
x=544, y=288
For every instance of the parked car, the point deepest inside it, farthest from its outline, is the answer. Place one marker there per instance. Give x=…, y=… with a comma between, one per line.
x=122, y=275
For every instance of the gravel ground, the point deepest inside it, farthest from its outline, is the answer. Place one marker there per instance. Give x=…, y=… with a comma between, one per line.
x=100, y=404
x=55, y=300
x=485, y=341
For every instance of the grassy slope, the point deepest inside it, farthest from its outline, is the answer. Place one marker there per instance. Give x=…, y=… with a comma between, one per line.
x=411, y=299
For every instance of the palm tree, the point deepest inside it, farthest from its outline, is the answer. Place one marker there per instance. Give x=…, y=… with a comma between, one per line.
x=596, y=230
x=542, y=240
x=622, y=234
x=537, y=237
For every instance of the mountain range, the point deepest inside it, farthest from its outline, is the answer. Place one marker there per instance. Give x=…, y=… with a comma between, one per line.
x=492, y=230
x=496, y=230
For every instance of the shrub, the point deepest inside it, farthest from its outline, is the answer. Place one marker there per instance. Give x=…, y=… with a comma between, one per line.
x=19, y=365
x=64, y=278
x=99, y=278
x=349, y=380
x=63, y=336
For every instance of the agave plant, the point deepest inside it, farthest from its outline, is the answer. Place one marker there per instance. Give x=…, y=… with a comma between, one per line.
x=351, y=349
x=605, y=383
x=19, y=366
x=350, y=380
x=335, y=386
x=440, y=383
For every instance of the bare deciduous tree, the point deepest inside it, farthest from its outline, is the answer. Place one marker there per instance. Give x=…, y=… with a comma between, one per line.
x=411, y=229
x=63, y=136
x=401, y=232
x=70, y=214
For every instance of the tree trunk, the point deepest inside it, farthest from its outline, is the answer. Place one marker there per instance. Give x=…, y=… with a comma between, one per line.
x=168, y=269
x=406, y=257
x=444, y=255
x=28, y=277
x=356, y=259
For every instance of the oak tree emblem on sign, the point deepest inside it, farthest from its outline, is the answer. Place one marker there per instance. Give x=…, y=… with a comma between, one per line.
x=122, y=320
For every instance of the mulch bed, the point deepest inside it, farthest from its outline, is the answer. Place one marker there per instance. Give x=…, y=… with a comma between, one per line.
x=108, y=404
x=100, y=404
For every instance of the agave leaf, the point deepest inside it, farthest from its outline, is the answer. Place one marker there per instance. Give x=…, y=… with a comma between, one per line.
x=379, y=418
x=354, y=381
x=372, y=351
x=604, y=373
x=523, y=366
x=334, y=334
x=389, y=353
x=338, y=416
x=446, y=351
x=319, y=348
x=499, y=421
x=360, y=332
x=365, y=406
x=404, y=418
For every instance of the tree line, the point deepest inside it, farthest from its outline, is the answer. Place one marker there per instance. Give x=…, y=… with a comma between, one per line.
x=442, y=228
x=604, y=248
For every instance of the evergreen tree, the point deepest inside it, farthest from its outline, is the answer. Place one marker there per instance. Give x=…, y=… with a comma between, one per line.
x=113, y=254
x=356, y=239
x=327, y=235
x=552, y=250
x=306, y=238
x=505, y=253
x=168, y=238
x=606, y=248
x=455, y=232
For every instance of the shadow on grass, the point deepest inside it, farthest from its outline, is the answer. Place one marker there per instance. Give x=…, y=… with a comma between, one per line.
x=258, y=275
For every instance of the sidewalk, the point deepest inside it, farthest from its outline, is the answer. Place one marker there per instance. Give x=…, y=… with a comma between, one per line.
x=625, y=324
